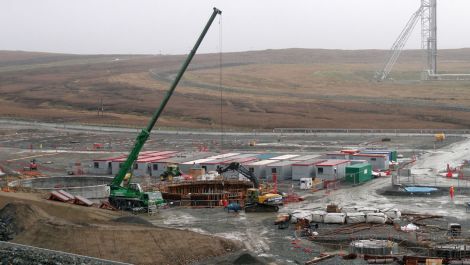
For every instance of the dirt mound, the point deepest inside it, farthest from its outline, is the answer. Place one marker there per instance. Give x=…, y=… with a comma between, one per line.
x=132, y=220
x=238, y=258
x=20, y=216
x=247, y=258
x=95, y=232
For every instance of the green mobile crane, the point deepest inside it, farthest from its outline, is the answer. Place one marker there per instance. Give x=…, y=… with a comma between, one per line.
x=124, y=194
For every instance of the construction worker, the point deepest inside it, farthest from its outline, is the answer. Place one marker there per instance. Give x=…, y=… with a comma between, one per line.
x=451, y=192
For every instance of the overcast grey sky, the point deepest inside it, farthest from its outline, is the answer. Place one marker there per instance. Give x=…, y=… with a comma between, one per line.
x=169, y=27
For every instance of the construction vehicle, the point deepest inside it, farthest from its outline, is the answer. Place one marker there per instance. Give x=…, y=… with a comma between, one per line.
x=123, y=193
x=439, y=137
x=256, y=201
x=170, y=172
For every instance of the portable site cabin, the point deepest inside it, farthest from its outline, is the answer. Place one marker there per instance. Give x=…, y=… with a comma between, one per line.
x=243, y=160
x=142, y=164
x=378, y=162
x=350, y=151
x=358, y=173
x=305, y=157
x=392, y=154
x=212, y=165
x=264, y=156
x=160, y=166
x=282, y=169
x=354, y=162
x=224, y=161
x=332, y=169
x=338, y=156
x=104, y=166
x=184, y=167
x=258, y=168
x=305, y=169
x=284, y=157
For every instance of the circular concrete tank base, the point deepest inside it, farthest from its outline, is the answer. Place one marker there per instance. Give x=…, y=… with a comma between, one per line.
x=91, y=187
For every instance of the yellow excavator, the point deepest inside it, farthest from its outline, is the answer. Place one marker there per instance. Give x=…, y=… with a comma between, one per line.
x=256, y=201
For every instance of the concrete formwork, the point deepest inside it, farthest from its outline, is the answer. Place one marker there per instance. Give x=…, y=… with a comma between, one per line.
x=91, y=187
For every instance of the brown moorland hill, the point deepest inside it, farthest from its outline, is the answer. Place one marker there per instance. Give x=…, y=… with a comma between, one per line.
x=259, y=89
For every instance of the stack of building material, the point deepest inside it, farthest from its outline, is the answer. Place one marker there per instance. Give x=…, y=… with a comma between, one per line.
x=376, y=218
x=318, y=216
x=79, y=200
x=334, y=218
x=301, y=214
x=355, y=218
x=367, y=210
x=66, y=194
x=393, y=214
x=57, y=196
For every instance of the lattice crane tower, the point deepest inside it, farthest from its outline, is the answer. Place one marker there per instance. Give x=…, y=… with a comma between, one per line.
x=429, y=35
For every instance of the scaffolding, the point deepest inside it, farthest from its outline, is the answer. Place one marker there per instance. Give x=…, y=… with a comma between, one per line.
x=206, y=193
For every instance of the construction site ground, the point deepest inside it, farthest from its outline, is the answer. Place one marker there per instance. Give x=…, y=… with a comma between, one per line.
x=186, y=235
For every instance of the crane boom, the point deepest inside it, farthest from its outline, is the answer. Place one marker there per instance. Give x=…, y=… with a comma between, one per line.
x=145, y=133
x=398, y=45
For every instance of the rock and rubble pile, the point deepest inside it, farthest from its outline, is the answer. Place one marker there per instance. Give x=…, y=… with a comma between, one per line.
x=16, y=217
x=18, y=255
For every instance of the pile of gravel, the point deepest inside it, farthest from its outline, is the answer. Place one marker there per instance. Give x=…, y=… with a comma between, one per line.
x=17, y=217
x=6, y=229
x=17, y=255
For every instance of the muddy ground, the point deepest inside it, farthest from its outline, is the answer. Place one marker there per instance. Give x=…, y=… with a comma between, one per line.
x=54, y=148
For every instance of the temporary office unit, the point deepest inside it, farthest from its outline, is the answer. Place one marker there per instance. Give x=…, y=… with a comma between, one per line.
x=196, y=163
x=212, y=165
x=186, y=166
x=305, y=169
x=392, y=154
x=259, y=167
x=264, y=156
x=116, y=163
x=282, y=169
x=226, y=155
x=338, y=155
x=102, y=166
x=378, y=162
x=358, y=173
x=143, y=166
x=350, y=151
x=242, y=159
x=305, y=158
x=332, y=169
x=284, y=157
x=354, y=162
x=160, y=166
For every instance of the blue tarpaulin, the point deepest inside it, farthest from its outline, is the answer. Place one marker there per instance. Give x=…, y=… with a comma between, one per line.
x=420, y=189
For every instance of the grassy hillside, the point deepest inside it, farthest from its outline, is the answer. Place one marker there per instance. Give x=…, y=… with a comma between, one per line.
x=260, y=89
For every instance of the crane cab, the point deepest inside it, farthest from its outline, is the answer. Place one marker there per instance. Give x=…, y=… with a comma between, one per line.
x=136, y=187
